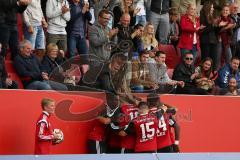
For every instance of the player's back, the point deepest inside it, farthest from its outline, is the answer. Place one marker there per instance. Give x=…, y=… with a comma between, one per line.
x=145, y=127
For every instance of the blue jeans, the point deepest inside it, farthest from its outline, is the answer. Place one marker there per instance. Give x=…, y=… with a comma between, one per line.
x=75, y=41
x=37, y=39
x=47, y=85
x=227, y=54
x=161, y=24
x=141, y=20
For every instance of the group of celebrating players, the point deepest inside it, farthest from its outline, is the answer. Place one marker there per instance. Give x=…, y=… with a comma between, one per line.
x=148, y=127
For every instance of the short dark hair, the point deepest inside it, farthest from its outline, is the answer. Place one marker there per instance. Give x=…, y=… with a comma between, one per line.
x=235, y=58
x=143, y=52
x=102, y=12
x=157, y=54
x=142, y=105
x=137, y=26
x=173, y=11
x=153, y=100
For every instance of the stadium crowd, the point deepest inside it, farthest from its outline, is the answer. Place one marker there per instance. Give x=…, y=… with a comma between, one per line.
x=115, y=46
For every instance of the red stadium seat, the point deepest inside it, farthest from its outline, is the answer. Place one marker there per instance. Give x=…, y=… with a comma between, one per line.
x=12, y=73
x=172, y=56
x=170, y=73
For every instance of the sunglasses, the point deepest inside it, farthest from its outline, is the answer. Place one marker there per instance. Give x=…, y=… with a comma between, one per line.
x=189, y=58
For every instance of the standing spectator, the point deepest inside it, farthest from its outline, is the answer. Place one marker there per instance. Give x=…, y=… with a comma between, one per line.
x=236, y=30
x=150, y=43
x=141, y=79
x=158, y=72
x=206, y=75
x=100, y=35
x=232, y=88
x=5, y=80
x=185, y=72
x=126, y=6
x=8, y=24
x=210, y=45
x=227, y=71
x=174, y=28
x=226, y=33
x=77, y=27
x=28, y=68
x=190, y=26
x=34, y=22
x=44, y=136
x=141, y=15
x=58, y=14
x=159, y=17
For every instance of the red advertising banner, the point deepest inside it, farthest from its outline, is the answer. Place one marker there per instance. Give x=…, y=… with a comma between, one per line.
x=208, y=123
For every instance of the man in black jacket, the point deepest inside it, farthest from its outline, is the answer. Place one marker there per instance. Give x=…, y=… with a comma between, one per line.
x=8, y=24
x=185, y=72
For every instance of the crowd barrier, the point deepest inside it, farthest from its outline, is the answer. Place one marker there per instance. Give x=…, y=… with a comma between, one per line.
x=208, y=123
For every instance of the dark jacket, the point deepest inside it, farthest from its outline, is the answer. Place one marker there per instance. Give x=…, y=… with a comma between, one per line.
x=183, y=73
x=86, y=17
x=224, y=74
x=8, y=10
x=160, y=6
x=117, y=12
x=28, y=68
x=210, y=33
x=3, y=72
x=53, y=68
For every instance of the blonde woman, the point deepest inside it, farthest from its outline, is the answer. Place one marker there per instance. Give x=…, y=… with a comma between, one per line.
x=149, y=41
x=126, y=6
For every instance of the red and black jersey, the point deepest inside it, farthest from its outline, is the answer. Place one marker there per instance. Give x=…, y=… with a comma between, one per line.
x=145, y=129
x=43, y=135
x=129, y=113
x=164, y=138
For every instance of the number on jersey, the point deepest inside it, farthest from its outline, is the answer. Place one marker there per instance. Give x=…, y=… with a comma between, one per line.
x=147, y=131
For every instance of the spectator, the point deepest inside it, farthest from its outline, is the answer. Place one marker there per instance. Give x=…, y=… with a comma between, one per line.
x=137, y=34
x=126, y=6
x=159, y=17
x=141, y=15
x=28, y=68
x=206, y=76
x=141, y=79
x=232, y=88
x=34, y=22
x=210, y=44
x=150, y=43
x=190, y=26
x=124, y=30
x=158, y=72
x=182, y=5
x=58, y=14
x=100, y=35
x=185, y=72
x=236, y=30
x=5, y=80
x=8, y=24
x=52, y=61
x=227, y=71
x=174, y=27
x=226, y=33
x=77, y=27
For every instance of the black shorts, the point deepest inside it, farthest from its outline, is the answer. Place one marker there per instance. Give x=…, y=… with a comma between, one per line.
x=168, y=149
x=96, y=147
